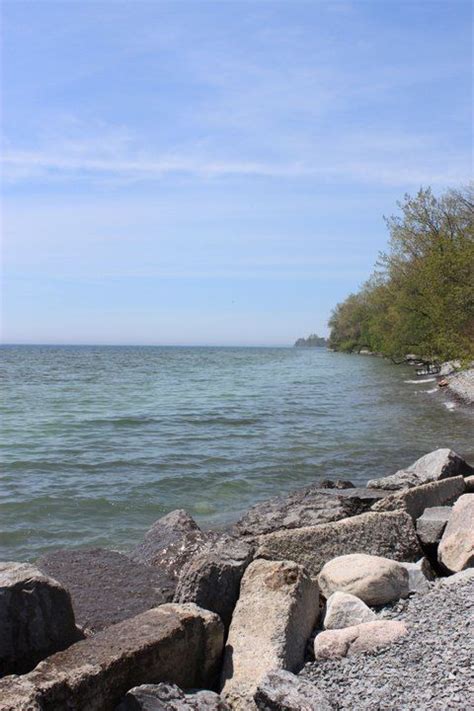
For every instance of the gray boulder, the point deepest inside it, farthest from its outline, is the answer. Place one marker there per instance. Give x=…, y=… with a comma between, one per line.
x=180, y=644
x=36, y=617
x=440, y=464
x=276, y=612
x=107, y=587
x=346, y=610
x=456, y=548
x=171, y=542
x=415, y=500
x=431, y=524
x=281, y=690
x=310, y=506
x=420, y=576
x=391, y=535
x=212, y=577
x=334, y=644
x=169, y=697
x=373, y=579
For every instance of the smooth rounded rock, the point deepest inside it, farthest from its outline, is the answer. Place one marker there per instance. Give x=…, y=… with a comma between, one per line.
x=334, y=644
x=373, y=579
x=346, y=610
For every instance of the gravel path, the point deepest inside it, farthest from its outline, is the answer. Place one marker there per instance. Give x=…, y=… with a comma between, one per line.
x=431, y=668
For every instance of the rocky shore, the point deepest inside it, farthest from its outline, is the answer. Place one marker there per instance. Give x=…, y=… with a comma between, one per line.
x=333, y=597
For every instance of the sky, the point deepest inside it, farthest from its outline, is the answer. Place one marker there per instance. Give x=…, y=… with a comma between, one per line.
x=216, y=173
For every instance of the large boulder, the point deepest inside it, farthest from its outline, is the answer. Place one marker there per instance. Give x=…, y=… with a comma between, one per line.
x=309, y=506
x=346, y=610
x=440, y=464
x=281, y=690
x=373, y=579
x=212, y=578
x=431, y=524
x=171, y=542
x=181, y=644
x=169, y=697
x=391, y=535
x=456, y=548
x=36, y=617
x=415, y=500
x=334, y=644
x=274, y=617
x=107, y=587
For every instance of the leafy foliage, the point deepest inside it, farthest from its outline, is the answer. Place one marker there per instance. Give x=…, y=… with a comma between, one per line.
x=421, y=296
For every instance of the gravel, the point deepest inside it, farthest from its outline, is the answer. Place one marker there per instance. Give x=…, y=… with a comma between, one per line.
x=462, y=385
x=431, y=668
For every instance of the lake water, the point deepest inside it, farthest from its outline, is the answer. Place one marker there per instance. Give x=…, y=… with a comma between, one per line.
x=99, y=442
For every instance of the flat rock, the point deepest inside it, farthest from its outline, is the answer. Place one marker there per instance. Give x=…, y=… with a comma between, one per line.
x=274, y=617
x=457, y=579
x=391, y=535
x=283, y=691
x=212, y=577
x=308, y=506
x=169, y=697
x=171, y=542
x=456, y=548
x=440, y=464
x=107, y=587
x=415, y=500
x=334, y=644
x=180, y=644
x=431, y=524
x=373, y=579
x=36, y=617
x=346, y=610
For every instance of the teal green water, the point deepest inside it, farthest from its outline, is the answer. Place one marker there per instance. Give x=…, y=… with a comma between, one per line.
x=98, y=442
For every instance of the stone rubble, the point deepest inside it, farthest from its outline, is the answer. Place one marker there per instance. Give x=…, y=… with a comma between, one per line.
x=257, y=583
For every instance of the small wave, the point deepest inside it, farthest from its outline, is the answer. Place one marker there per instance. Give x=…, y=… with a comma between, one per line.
x=421, y=380
x=450, y=405
x=232, y=421
x=432, y=390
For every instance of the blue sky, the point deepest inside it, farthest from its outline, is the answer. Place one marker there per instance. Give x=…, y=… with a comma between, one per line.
x=216, y=172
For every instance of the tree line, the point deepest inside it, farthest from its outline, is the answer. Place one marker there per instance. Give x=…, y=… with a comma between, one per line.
x=420, y=297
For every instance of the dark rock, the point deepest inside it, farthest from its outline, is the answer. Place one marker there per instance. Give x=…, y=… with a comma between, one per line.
x=212, y=578
x=107, y=587
x=391, y=535
x=180, y=644
x=169, y=697
x=36, y=617
x=171, y=542
x=440, y=464
x=283, y=691
x=309, y=506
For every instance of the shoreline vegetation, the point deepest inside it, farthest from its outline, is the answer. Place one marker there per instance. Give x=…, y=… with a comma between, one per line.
x=269, y=614
x=313, y=341
x=420, y=297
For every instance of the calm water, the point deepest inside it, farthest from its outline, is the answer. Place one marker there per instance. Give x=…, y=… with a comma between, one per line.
x=98, y=442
